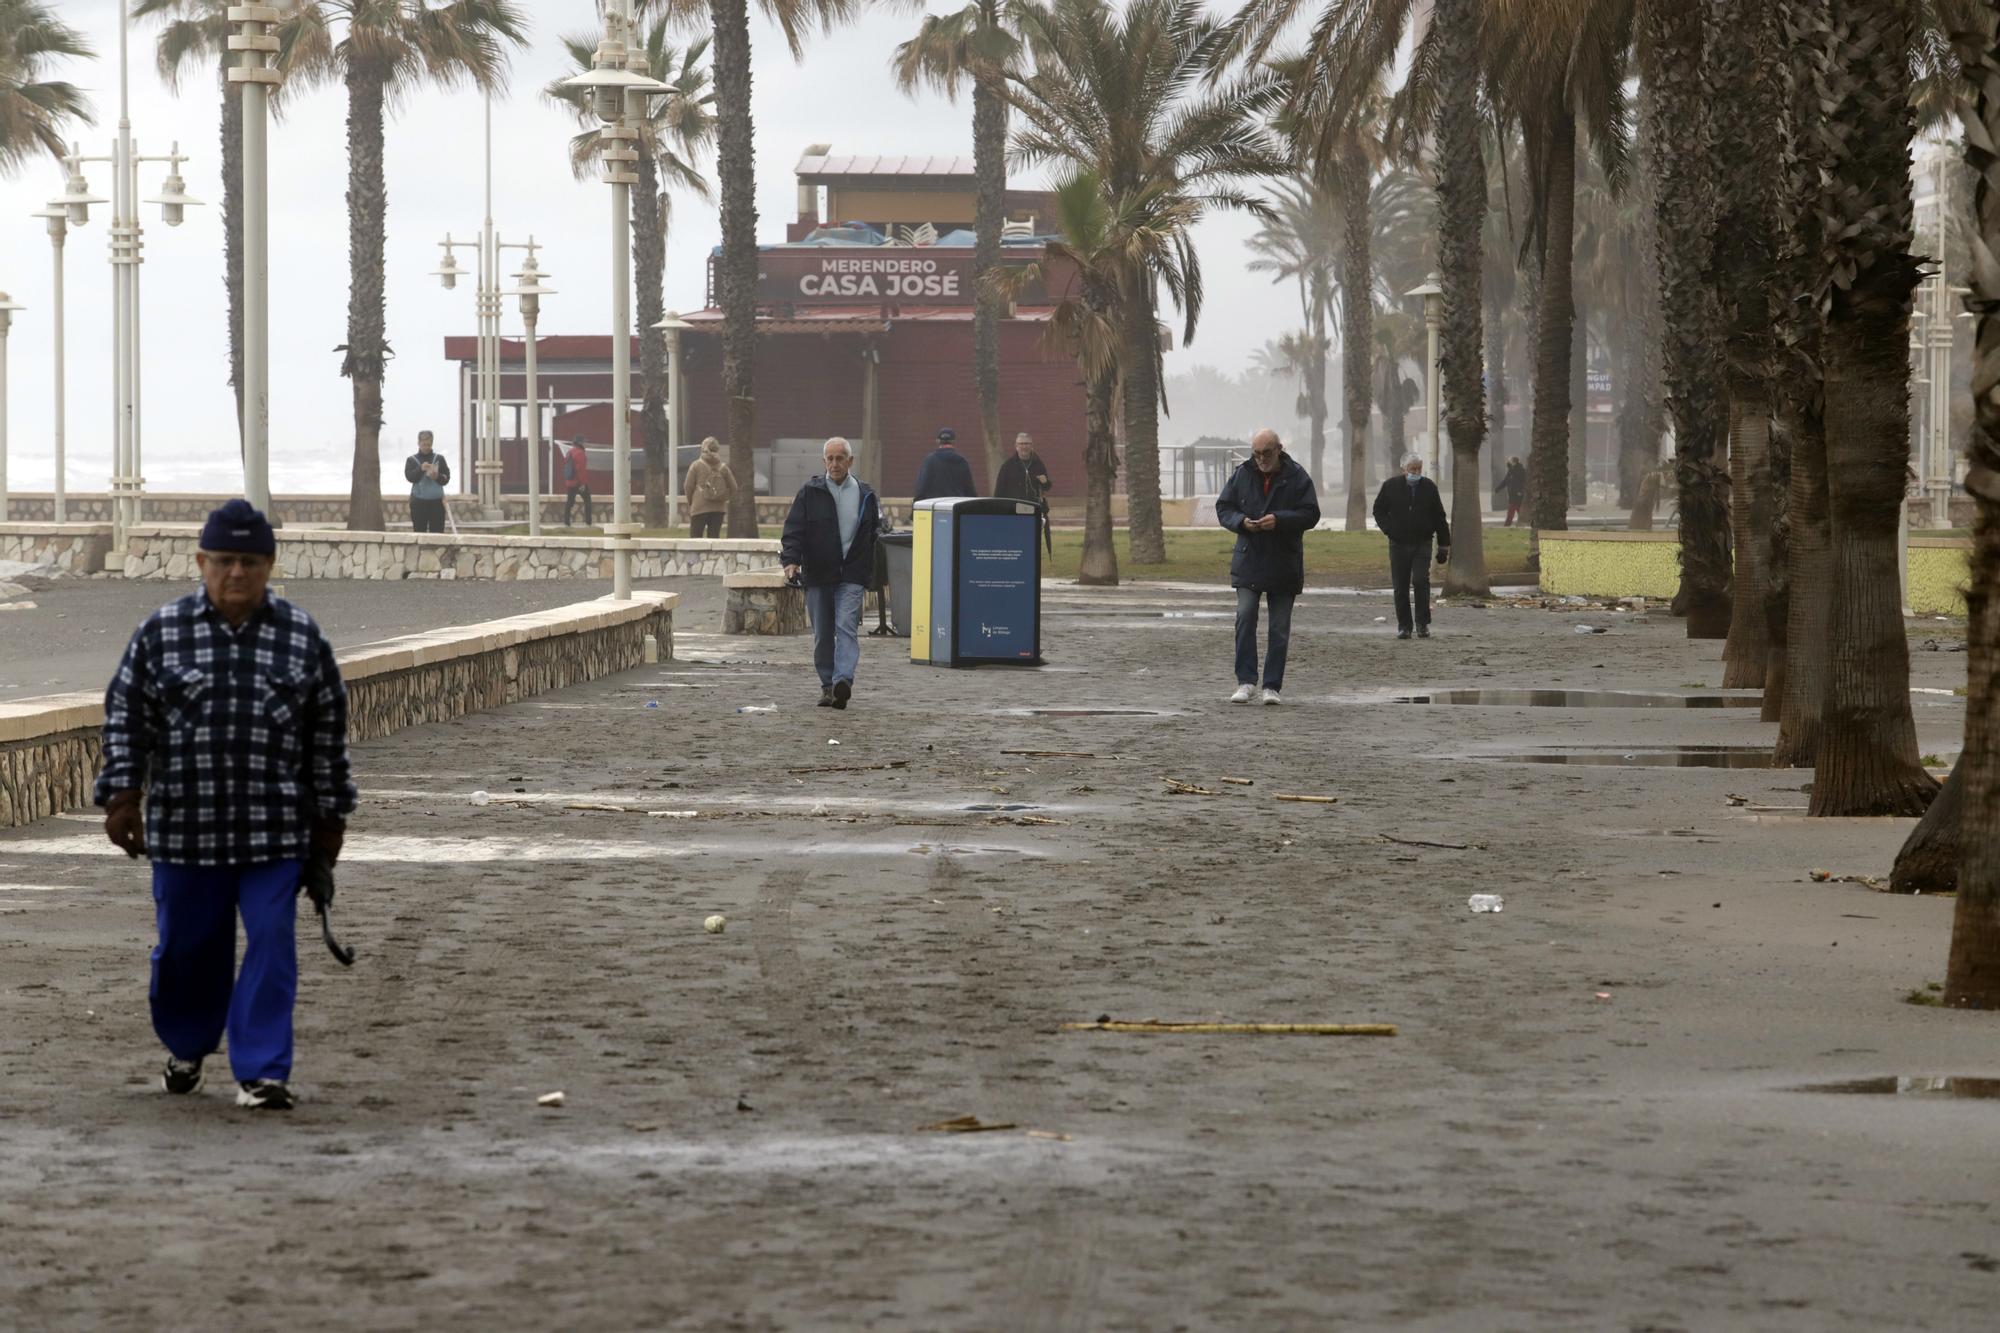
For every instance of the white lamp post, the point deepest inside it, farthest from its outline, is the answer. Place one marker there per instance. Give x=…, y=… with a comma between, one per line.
x=258, y=77
x=675, y=326
x=58, y=220
x=1433, y=294
x=528, y=286
x=617, y=91
x=7, y=308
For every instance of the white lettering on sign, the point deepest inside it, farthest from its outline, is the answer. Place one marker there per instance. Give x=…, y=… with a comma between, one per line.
x=879, y=277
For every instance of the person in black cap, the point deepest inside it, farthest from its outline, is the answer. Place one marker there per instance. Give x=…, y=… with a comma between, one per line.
x=946, y=472
x=225, y=763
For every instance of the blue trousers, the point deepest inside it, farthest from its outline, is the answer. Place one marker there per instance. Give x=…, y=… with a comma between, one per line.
x=834, y=611
x=1246, y=637
x=196, y=992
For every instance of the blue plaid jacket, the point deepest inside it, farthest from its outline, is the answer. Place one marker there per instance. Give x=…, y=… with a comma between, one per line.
x=239, y=735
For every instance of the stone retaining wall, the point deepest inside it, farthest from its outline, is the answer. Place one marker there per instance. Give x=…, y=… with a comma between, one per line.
x=185, y=507
x=763, y=604
x=167, y=552
x=50, y=747
x=74, y=548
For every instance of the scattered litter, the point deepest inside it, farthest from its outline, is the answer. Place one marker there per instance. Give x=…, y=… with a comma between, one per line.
x=1240, y=782
x=674, y=814
x=1592, y=629
x=1056, y=754
x=831, y=741
x=1027, y=821
x=1820, y=876
x=1604, y=995
x=641, y=1126
x=480, y=798
x=965, y=1124
x=1250, y=1029
x=758, y=708
x=1865, y=881
x=852, y=768
x=1047, y=1134
x=596, y=805
x=1175, y=787
x=1306, y=800
x=716, y=924
x=1419, y=842
x=551, y=1099
x=1381, y=620
x=652, y=703
x=1733, y=799
x=1486, y=902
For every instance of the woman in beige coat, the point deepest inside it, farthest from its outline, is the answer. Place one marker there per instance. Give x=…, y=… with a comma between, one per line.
x=710, y=487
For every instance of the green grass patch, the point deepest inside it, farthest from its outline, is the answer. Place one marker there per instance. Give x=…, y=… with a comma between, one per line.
x=1345, y=559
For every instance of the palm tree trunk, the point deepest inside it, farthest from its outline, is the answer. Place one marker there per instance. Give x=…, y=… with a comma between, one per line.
x=1099, y=566
x=1972, y=974
x=1395, y=415
x=1692, y=317
x=1498, y=391
x=1579, y=406
x=367, y=344
x=1357, y=334
x=736, y=172
x=649, y=264
x=1930, y=859
x=1868, y=761
x=989, y=209
x=232, y=236
x=1809, y=584
x=1316, y=362
x=1139, y=378
x=1461, y=195
x=1746, y=655
x=1548, y=454
x=1639, y=419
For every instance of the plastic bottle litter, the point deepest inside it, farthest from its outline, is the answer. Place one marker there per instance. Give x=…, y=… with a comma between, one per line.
x=758, y=708
x=480, y=798
x=1591, y=629
x=652, y=703
x=1486, y=902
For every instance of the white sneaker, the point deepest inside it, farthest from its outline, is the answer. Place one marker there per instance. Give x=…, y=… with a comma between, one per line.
x=1244, y=694
x=1271, y=697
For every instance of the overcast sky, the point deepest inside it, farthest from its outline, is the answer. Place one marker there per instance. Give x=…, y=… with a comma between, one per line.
x=841, y=95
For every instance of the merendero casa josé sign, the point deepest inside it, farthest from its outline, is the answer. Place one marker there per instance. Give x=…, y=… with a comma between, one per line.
x=843, y=277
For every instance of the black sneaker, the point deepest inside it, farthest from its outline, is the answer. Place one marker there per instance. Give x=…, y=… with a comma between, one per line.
x=181, y=1076
x=826, y=697
x=265, y=1094
x=1423, y=631
x=1402, y=634
x=843, y=690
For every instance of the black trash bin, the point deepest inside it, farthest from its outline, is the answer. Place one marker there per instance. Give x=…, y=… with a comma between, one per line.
x=894, y=548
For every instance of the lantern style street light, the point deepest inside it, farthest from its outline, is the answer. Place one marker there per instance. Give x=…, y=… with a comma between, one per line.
x=618, y=89
x=1433, y=294
x=528, y=287
x=57, y=216
x=7, y=308
x=674, y=326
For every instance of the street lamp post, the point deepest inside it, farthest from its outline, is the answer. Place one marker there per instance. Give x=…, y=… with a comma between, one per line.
x=618, y=89
x=675, y=326
x=528, y=286
x=258, y=76
x=58, y=220
x=7, y=308
x=1433, y=293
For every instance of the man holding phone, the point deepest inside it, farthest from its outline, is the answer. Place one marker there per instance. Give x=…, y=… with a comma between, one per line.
x=1270, y=504
x=829, y=548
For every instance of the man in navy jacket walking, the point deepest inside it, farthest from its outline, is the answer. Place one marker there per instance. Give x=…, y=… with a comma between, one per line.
x=1270, y=504
x=1410, y=513
x=946, y=473
x=829, y=545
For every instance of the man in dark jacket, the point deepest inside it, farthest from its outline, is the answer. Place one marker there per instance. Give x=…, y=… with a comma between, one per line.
x=946, y=473
x=829, y=545
x=428, y=474
x=1270, y=504
x=1410, y=512
x=1026, y=477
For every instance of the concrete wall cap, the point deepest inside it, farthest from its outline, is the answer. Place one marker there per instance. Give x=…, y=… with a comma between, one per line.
x=755, y=578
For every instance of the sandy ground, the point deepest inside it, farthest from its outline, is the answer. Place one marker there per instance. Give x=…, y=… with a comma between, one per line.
x=1585, y=1122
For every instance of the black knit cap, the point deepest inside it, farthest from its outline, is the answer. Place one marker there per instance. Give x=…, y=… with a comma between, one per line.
x=947, y=435
x=239, y=526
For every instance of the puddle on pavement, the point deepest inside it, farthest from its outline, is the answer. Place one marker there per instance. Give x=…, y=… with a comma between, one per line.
x=1092, y=613
x=1985, y=1089
x=1503, y=698
x=1083, y=712
x=1671, y=756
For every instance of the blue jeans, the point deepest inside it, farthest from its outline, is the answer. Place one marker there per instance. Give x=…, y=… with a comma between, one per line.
x=835, y=613
x=194, y=995
x=1246, y=637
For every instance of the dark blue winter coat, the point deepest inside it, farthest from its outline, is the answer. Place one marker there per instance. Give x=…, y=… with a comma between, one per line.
x=812, y=536
x=1269, y=561
x=945, y=474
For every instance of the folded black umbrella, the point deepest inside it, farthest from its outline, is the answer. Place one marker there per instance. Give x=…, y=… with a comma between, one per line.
x=319, y=888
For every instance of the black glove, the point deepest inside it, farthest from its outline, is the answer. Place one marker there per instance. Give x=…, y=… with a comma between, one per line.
x=318, y=881
x=1444, y=554
x=125, y=821
x=329, y=833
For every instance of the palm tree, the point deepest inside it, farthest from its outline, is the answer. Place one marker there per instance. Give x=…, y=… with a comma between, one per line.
x=1135, y=98
x=1301, y=357
x=380, y=50
x=973, y=46
x=1081, y=273
x=36, y=112
x=736, y=176
x=676, y=130
x=1868, y=762
x=1301, y=242
x=1677, y=42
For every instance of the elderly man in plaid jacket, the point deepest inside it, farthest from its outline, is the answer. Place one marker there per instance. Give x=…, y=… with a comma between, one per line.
x=225, y=762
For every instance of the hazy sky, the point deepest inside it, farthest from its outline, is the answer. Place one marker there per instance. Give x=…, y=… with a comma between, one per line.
x=841, y=95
